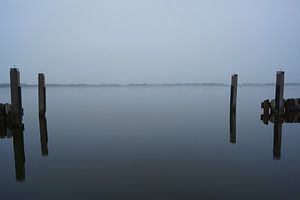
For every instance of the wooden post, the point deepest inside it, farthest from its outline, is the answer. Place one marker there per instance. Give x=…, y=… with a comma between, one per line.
x=2, y=114
x=233, y=92
x=16, y=99
x=266, y=106
x=20, y=94
x=279, y=104
x=266, y=111
x=233, y=95
x=42, y=94
x=8, y=113
x=43, y=135
x=14, y=90
x=3, y=131
x=3, y=123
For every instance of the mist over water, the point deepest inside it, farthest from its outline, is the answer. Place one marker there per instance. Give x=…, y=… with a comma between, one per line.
x=150, y=41
x=151, y=142
x=139, y=103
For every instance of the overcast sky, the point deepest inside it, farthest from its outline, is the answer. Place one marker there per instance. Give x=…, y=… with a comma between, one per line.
x=153, y=41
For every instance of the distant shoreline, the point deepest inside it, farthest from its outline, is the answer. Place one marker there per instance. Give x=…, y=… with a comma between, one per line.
x=4, y=85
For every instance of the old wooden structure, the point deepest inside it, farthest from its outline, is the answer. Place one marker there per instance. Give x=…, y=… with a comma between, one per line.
x=279, y=111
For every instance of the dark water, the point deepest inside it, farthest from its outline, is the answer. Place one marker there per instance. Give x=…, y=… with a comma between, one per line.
x=150, y=143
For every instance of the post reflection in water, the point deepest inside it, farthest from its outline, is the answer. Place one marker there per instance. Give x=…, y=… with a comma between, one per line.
x=277, y=139
x=278, y=120
x=17, y=135
x=43, y=135
x=19, y=153
x=232, y=126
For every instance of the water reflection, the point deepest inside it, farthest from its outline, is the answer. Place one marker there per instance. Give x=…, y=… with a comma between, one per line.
x=16, y=133
x=232, y=126
x=43, y=135
x=277, y=139
x=19, y=153
x=278, y=120
x=18, y=147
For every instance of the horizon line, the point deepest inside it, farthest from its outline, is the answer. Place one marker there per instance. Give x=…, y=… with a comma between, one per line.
x=150, y=84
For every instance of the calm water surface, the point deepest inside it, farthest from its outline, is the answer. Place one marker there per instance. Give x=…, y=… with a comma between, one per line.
x=150, y=143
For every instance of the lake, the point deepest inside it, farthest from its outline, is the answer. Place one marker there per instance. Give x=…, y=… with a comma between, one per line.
x=159, y=142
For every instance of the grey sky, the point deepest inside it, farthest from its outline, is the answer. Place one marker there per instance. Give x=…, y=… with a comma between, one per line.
x=123, y=41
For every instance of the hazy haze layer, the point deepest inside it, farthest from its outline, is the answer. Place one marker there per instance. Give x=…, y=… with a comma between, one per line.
x=153, y=41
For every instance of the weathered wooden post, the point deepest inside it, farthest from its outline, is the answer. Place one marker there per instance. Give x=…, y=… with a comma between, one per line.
x=43, y=135
x=3, y=122
x=16, y=99
x=42, y=94
x=279, y=102
x=3, y=131
x=20, y=94
x=233, y=95
x=265, y=105
x=233, y=92
x=2, y=114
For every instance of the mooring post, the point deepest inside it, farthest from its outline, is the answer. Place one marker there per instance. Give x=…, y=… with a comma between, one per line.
x=233, y=92
x=20, y=94
x=279, y=104
x=3, y=132
x=3, y=122
x=2, y=115
x=15, y=91
x=266, y=106
x=42, y=94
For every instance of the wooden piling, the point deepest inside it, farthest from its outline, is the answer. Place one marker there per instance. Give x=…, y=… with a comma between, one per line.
x=2, y=115
x=14, y=90
x=2, y=121
x=279, y=102
x=20, y=94
x=16, y=99
x=233, y=96
x=42, y=94
x=233, y=92
x=3, y=132
x=266, y=107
